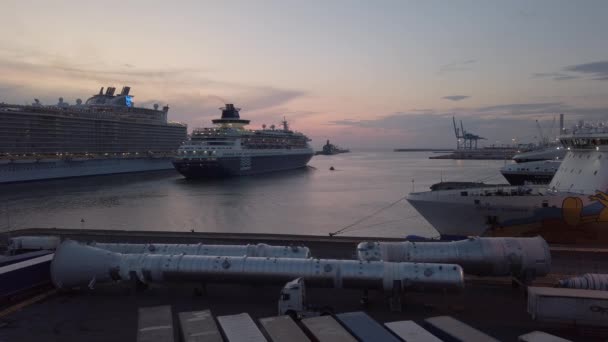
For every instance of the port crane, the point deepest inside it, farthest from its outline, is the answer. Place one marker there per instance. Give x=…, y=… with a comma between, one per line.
x=464, y=139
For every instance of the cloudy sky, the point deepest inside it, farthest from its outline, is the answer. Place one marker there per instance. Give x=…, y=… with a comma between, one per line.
x=366, y=74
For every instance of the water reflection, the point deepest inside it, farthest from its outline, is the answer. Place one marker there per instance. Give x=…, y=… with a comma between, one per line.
x=311, y=200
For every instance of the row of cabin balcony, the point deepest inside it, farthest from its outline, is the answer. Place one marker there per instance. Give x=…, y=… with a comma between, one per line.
x=195, y=152
x=81, y=155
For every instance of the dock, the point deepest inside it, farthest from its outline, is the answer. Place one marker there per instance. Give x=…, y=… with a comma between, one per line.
x=110, y=311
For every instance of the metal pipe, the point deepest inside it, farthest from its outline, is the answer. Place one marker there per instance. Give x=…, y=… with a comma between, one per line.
x=589, y=281
x=259, y=250
x=32, y=243
x=77, y=265
x=521, y=257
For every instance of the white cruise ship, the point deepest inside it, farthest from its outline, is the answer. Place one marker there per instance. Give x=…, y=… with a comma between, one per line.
x=229, y=149
x=573, y=208
x=106, y=134
x=533, y=172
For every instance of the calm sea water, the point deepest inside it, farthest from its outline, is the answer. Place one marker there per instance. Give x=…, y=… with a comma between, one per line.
x=314, y=200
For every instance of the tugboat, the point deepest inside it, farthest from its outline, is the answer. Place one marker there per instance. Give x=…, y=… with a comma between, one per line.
x=229, y=149
x=330, y=149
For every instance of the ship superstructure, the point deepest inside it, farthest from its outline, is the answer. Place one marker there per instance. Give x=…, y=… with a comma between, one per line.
x=572, y=208
x=105, y=134
x=230, y=149
x=534, y=172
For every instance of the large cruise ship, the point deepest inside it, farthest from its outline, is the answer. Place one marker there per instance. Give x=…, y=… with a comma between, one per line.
x=229, y=149
x=106, y=134
x=573, y=208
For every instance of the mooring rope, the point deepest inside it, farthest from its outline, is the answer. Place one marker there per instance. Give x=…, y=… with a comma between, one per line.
x=339, y=231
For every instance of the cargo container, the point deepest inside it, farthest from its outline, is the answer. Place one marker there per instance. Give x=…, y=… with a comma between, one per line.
x=448, y=328
x=327, y=329
x=155, y=324
x=199, y=326
x=240, y=328
x=409, y=331
x=364, y=328
x=283, y=328
x=568, y=306
x=23, y=272
x=32, y=243
x=539, y=336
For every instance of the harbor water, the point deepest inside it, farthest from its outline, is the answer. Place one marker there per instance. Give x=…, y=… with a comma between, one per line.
x=313, y=200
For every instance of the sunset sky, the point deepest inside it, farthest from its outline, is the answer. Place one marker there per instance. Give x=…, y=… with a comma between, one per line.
x=365, y=74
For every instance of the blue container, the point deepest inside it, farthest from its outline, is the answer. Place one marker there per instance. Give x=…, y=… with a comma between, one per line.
x=364, y=328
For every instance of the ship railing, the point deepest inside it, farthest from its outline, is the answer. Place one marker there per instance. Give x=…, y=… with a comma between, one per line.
x=72, y=156
x=488, y=190
x=139, y=115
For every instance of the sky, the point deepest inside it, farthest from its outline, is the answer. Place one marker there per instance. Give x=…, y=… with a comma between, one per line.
x=365, y=74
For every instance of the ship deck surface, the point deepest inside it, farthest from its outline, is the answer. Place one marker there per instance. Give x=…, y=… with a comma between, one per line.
x=110, y=311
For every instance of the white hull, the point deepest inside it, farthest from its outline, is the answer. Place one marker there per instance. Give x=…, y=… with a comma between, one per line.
x=454, y=218
x=560, y=217
x=43, y=170
x=451, y=213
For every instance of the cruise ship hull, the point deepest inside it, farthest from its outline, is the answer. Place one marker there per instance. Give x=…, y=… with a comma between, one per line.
x=32, y=170
x=239, y=166
x=559, y=217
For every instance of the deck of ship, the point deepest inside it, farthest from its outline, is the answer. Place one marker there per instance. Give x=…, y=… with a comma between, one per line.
x=109, y=313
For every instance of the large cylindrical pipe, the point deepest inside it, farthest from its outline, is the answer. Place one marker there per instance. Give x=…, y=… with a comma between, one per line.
x=521, y=257
x=32, y=243
x=589, y=281
x=259, y=250
x=76, y=265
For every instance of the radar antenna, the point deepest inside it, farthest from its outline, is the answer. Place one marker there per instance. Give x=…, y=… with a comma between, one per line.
x=285, y=124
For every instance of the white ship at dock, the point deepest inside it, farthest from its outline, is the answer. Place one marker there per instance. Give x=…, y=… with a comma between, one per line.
x=106, y=134
x=572, y=208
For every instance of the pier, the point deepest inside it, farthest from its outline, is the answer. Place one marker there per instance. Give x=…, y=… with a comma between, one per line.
x=110, y=312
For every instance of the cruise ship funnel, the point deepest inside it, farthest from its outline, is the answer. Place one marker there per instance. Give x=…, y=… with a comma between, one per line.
x=78, y=265
x=520, y=257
